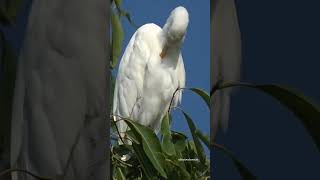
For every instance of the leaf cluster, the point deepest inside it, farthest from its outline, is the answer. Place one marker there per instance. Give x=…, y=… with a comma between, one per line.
x=174, y=156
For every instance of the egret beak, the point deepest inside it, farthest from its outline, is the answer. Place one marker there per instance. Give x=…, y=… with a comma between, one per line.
x=164, y=51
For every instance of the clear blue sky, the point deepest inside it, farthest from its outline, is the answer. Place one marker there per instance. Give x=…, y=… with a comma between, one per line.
x=195, y=51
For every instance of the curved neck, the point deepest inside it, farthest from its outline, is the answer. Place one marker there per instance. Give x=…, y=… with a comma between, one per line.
x=172, y=48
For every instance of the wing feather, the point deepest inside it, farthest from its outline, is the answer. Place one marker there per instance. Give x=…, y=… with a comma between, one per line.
x=181, y=76
x=130, y=78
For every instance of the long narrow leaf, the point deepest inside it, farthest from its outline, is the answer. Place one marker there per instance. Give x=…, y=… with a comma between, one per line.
x=128, y=17
x=150, y=144
x=124, y=13
x=119, y=174
x=146, y=165
x=243, y=170
x=307, y=111
x=198, y=145
x=167, y=144
x=204, y=138
x=117, y=38
x=204, y=95
x=179, y=141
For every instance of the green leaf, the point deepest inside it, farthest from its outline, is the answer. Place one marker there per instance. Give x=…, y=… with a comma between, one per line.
x=117, y=38
x=198, y=145
x=133, y=137
x=128, y=16
x=122, y=12
x=204, y=95
x=165, y=126
x=146, y=165
x=184, y=173
x=179, y=141
x=118, y=3
x=167, y=145
x=180, y=170
x=190, y=153
x=122, y=149
x=192, y=149
x=307, y=111
x=204, y=138
x=119, y=174
x=150, y=144
x=9, y=11
x=242, y=169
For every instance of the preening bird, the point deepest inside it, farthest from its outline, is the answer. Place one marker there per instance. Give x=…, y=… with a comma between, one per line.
x=150, y=71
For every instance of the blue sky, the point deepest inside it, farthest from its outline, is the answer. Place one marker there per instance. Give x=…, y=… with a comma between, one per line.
x=195, y=51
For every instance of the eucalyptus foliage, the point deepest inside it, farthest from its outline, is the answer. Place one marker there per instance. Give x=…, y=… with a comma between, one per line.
x=172, y=156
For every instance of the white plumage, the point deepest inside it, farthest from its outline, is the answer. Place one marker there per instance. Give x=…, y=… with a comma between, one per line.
x=226, y=59
x=150, y=71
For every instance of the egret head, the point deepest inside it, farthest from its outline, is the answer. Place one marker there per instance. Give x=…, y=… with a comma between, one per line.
x=176, y=25
x=175, y=28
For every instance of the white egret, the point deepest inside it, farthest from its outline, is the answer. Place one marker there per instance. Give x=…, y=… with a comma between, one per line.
x=150, y=71
x=226, y=59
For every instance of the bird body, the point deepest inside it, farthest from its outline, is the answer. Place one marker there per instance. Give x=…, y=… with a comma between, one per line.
x=226, y=60
x=150, y=71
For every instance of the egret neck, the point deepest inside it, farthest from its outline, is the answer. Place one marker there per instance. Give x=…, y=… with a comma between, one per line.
x=173, y=33
x=170, y=53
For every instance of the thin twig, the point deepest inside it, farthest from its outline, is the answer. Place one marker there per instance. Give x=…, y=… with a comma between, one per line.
x=119, y=131
x=222, y=85
x=121, y=119
x=178, y=89
x=134, y=106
